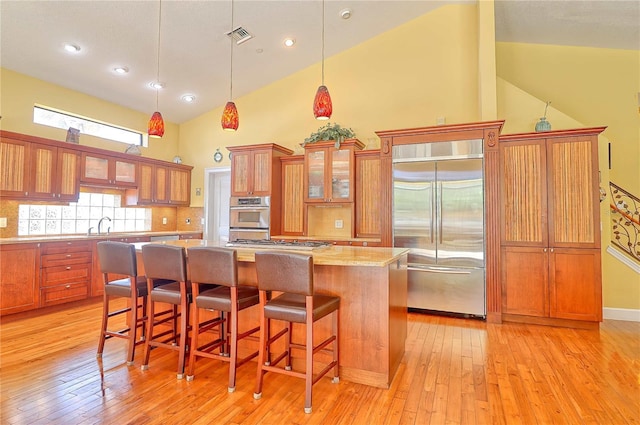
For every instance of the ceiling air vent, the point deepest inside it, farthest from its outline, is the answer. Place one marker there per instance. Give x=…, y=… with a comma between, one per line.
x=240, y=35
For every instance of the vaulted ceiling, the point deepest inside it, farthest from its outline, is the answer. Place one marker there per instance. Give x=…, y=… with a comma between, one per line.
x=195, y=52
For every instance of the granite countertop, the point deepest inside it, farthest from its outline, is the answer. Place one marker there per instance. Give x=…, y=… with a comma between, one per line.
x=326, y=256
x=57, y=238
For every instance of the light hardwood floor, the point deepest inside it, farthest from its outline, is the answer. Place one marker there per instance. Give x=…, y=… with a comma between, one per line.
x=454, y=371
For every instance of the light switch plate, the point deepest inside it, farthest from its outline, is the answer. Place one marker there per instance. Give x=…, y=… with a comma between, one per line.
x=164, y=220
x=3, y=221
x=339, y=224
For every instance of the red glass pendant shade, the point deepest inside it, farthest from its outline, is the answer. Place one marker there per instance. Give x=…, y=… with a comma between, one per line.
x=322, y=107
x=230, y=119
x=156, y=125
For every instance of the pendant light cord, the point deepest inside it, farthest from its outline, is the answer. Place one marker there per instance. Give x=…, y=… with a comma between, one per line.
x=158, y=65
x=323, y=42
x=231, y=58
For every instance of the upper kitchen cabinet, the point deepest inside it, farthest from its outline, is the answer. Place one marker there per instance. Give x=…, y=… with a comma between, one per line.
x=105, y=170
x=329, y=172
x=37, y=171
x=550, y=225
x=162, y=184
x=255, y=169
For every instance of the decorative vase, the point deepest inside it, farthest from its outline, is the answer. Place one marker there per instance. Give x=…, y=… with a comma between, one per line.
x=543, y=125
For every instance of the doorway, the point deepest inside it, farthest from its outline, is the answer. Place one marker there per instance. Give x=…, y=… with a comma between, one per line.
x=217, y=191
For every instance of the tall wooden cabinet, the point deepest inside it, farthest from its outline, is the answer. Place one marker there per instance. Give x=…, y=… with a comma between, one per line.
x=368, y=185
x=292, y=195
x=550, y=227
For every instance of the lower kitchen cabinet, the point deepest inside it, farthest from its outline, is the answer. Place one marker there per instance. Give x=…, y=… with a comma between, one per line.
x=551, y=283
x=65, y=271
x=20, y=264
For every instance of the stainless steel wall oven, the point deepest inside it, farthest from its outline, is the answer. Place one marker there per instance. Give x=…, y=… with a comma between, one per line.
x=249, y=217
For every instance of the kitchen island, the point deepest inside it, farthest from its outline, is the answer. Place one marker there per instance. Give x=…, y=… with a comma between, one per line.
x=372, y=286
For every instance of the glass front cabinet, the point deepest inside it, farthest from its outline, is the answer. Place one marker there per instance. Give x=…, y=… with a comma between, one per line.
x=329, y=172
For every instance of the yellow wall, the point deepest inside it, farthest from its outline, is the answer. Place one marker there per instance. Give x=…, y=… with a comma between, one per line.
x=406, y=77
x=19, y=93
x=597, y=87
x=587, y=88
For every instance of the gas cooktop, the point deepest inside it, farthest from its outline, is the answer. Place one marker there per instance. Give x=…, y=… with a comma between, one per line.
x=278, y=244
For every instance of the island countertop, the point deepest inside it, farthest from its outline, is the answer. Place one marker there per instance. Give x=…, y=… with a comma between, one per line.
x=325, y=256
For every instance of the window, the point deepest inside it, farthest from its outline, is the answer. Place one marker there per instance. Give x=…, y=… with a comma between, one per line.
x=65, y=120
x=78, y=217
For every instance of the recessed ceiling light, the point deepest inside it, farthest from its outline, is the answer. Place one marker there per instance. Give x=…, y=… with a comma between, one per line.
x=71, y=48
x=289, y=42
x=156, y=85
x=345, y=13
x=121, y=70
x=188, y=98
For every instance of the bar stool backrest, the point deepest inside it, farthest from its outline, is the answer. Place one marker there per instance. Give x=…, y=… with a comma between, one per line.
x=164, y=262
x=213, y=265
x=118, y=258
x=285, y=272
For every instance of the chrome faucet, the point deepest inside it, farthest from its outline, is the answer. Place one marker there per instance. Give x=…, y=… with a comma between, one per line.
x=100, y=224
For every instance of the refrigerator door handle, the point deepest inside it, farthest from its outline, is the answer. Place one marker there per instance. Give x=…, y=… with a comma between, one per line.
x=441, y=214
x=433, y=212
x=449, y=270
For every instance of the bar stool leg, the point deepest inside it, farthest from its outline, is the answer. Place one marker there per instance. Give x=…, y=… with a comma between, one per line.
x=133, y=327
x=182, y=344
x=264, y=326
x=233, y=360
x=195, y=331
x=335, y=320
x=309, y=360
x=288, y=345
x=103, y=328
x=149, y=336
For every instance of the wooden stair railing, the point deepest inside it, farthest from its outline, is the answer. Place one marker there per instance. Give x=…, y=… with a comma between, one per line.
x=625, y=221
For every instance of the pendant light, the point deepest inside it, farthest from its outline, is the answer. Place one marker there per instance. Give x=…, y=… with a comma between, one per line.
x=230, y=119
x=156, y=123
x=322, y=107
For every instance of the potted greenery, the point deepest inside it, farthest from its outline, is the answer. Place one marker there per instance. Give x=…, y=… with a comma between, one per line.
x=330, y=132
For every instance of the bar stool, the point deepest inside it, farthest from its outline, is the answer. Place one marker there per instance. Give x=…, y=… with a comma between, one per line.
x=292, y=274
x=219, y=266
x=118, y=259
x=166, y=270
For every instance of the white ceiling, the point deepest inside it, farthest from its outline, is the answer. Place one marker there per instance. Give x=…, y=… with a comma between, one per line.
x=195, y=53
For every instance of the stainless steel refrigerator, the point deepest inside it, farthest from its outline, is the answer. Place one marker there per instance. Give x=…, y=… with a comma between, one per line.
x=438, y=213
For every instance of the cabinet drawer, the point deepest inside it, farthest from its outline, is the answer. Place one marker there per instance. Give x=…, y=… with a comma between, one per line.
x=70, y=258
x=65, y=247
x=63, y=275
x=63, y=293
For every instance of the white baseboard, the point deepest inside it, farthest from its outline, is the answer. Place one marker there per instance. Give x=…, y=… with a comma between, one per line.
x=627, y=314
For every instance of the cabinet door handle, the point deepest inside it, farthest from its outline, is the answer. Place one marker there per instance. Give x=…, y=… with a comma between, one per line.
x=545, y=250
x=551, y=250
x=68, y=268
x=68, y=255
x=68, y=286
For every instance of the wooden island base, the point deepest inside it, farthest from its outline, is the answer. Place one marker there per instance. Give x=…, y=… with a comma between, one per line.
x=372, y=286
